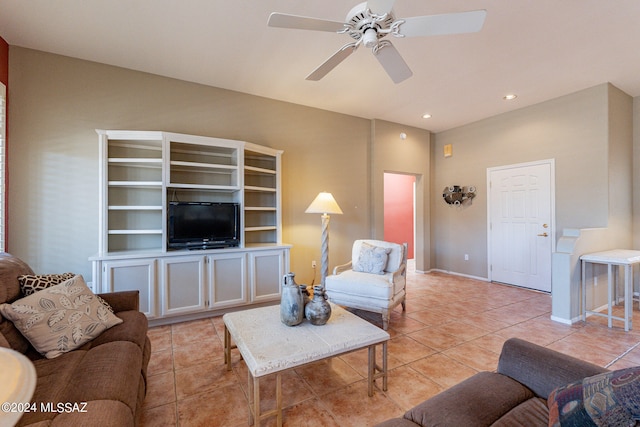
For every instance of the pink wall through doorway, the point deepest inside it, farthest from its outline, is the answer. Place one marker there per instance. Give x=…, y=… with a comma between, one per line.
x=398, y=209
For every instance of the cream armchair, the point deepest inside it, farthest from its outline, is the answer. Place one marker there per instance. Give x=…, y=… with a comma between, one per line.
x=374, y=280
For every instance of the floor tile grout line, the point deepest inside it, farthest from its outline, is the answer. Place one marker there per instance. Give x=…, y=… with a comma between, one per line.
x=629, y=350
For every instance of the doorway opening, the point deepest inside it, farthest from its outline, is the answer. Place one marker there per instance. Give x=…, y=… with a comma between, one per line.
x=399, y=210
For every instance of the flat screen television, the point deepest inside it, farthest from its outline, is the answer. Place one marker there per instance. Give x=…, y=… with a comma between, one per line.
x=203, y=225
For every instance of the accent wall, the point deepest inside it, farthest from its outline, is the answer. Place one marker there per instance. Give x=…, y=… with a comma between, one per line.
x=398, y=209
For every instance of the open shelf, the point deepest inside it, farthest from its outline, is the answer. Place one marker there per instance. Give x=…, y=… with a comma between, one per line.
x=254, y=170
x=205, y=187
x=134, y=208
x=260, y=208
x=135, y=183
x=142, y=171
x=132, y=232
x=265, y=189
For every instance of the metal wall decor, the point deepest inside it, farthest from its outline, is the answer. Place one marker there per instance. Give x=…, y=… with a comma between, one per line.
x=457, y=195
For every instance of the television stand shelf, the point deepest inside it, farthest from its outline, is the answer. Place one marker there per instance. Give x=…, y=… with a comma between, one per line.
x=141, y=173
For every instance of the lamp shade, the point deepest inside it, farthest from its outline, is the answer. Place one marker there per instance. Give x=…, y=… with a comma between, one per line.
x=324, y=203
x=18, y=379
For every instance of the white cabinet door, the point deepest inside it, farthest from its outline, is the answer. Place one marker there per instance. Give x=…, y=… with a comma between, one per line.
x=227, y=280
x=132, y=275
x=183, y=285
x=266, y=271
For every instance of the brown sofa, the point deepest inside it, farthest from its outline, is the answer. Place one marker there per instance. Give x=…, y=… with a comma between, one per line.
x=108, y=373
x=515, y=395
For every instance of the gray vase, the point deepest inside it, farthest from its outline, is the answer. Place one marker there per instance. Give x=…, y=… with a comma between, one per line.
x=318, y=310
x=306, y=296
x=291, y=302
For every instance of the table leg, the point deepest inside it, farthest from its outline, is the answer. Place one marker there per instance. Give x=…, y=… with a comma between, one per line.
x=256, y=400
x=584, y=291
x=227, y=348
x=610, y=286
x=384, y=366
x=370, y=369
x=250, y=396
x=255, y=416
x=628, y=296
x=374, y=370
x=279, y=399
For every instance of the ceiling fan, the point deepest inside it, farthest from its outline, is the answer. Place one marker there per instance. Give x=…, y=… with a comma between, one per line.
x=370, y=22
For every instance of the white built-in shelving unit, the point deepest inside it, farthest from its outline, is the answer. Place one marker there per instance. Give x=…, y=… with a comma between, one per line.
x=140, y=173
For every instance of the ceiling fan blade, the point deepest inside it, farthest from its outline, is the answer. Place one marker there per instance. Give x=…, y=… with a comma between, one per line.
x=448, y=23
x=392, y=61
x=380, y=7
x=283, y=20
x=332, y=62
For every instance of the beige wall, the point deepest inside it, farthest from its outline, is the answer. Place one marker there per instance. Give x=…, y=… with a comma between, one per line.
x=408, y=156
x=57, y=102
x=620, y=158
x=575, y=130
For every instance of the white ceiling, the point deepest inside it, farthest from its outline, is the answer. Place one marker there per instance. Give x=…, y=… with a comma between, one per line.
x=538, y=49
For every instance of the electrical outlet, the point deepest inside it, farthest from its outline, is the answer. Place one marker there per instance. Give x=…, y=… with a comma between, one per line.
x=466, y=257
x=313, y=264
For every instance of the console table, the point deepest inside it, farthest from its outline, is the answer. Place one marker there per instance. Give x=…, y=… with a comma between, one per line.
x=616, y=257
x=270, y=347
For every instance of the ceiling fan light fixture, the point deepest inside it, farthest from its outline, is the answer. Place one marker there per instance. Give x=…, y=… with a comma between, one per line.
x=370, y=37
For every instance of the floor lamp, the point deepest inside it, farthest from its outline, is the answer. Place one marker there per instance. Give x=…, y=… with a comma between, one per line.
x=324, y=204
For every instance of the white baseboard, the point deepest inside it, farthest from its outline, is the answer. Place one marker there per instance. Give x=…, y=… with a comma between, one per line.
x=453, y=273
x=564, y=321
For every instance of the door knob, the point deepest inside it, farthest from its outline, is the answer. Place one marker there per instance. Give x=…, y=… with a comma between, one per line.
x=543, y=235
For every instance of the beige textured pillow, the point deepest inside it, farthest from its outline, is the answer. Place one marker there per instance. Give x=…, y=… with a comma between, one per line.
x=60, y=318
x=371, y=259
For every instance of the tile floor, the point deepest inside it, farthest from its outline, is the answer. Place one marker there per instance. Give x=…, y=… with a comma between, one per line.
x=453, y=328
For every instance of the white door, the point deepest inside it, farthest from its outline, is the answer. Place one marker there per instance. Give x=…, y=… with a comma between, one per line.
x=520, y=224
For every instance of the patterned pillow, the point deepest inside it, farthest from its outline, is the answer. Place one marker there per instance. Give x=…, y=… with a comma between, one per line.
x=371, y=259
x=60, y=318
x=609, y=399
x=30, y=283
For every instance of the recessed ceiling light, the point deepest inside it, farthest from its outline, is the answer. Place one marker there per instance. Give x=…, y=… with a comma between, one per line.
x=510, y=96
x=426, y=116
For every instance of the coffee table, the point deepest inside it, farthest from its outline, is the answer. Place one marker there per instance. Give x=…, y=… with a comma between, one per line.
x=270, y=347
